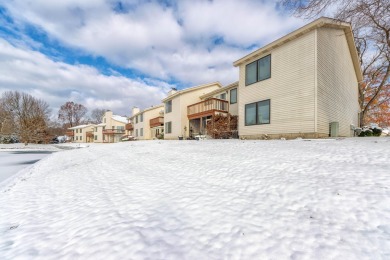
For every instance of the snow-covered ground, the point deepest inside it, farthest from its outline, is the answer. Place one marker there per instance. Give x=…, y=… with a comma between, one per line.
x=221, y=199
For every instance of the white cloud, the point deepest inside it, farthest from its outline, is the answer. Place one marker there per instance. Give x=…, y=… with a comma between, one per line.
x=159, y=41
x=57, y=82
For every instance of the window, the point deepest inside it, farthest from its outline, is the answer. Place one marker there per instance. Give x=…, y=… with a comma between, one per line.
x=120, y=127
x=81, y=138
x=81, y=130
x=77, y=138
x=222, y=96
x=257, y=113
x=233, y=96
x=141, y=132
x=95, y=137
x=104, y=120
x=95, y=129
x=136, y=119
x=258, y=70
x=136, y=132
x=77, y=130
x=168, y=106
x=141, y=117
x=168, y=127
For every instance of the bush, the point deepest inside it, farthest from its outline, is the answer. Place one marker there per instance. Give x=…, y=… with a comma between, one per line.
x=371, y=131
x=377, y=131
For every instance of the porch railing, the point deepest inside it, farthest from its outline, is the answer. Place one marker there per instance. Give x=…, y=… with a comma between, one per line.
x=69, y=133
x=157, y=121
x=207, y=107
x=129, y=127
x=113, y=131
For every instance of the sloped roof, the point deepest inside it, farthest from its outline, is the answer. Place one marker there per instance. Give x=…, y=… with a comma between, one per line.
x=217, y=91
x=121, y=119
x=321, y=22
x=81, y=126
x=183, y=91
x=147, y=109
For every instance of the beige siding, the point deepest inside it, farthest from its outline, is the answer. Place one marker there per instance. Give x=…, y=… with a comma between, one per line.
x=291, y=90
x=233, y=108
x=337, y=83
x=148, y=114
x=178, y=116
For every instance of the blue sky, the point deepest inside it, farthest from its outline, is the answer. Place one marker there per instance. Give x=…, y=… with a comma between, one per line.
x=118, y=54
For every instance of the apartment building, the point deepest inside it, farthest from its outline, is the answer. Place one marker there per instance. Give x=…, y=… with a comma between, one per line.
x=176, y=111
x=304, y=84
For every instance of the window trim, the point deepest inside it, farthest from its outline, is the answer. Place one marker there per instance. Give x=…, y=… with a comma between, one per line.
x=166, y=106
x=257, y=110
x=166, y=127
x=257, y=69
x=231, y=96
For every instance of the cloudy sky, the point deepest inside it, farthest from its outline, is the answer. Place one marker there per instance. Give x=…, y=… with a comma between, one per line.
x=114, y=54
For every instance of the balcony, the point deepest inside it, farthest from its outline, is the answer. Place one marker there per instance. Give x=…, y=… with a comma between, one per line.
x=89, y=134
x=69, y=133
x=207, y=107
x=113, y=131
x=129, y=127
x=158, y=121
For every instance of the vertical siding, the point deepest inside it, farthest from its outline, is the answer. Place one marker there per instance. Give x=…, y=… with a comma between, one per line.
x=291, y=90
x=337, y=82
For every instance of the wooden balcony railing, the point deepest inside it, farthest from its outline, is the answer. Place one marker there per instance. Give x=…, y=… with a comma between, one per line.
x=113, y=131
x=158, y=121
x=207, y=107
x=69, y=133
x=89, y=134
x=129, y=127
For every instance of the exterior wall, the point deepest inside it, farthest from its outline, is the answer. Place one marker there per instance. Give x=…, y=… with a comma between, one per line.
x=108, y=123
x=138, y=126
x=233, y=108
x=291, y=90
x=80, y=134
x=337, y=83
x=98, y=134
x=145, y=125
x=178, y=116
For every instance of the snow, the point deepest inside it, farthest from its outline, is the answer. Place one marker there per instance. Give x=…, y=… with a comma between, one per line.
x=210, y=199
x=81, y=126
x=121, y=119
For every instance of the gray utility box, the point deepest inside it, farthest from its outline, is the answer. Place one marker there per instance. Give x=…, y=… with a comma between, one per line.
x=334, y=129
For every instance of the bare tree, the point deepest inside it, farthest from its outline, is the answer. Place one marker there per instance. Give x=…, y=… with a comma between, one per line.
x=71, y=113
x=97, y=115
x=370, y=21
x=27, y=115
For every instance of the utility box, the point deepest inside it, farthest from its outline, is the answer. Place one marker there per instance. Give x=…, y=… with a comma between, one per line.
x=334, y=129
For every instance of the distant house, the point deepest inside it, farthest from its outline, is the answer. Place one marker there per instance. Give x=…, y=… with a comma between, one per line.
x=111, y=130
x=81, y=133
x=304, y=84
x=177, y=113
x=149, y=123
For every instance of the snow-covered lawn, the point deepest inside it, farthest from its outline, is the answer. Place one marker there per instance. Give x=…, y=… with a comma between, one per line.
x=318, y=199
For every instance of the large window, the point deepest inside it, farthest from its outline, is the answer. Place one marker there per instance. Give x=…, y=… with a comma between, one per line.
x=136, y=132
x=168, y=106
x=233, y=96
x=222, y=96
x=141, y=132
x=258, y=70
x=168, y=127
x=257, y=113
x=136, y=119
x=141, y=117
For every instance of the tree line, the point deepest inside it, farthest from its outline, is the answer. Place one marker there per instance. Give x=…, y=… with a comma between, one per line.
x=24, y=118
